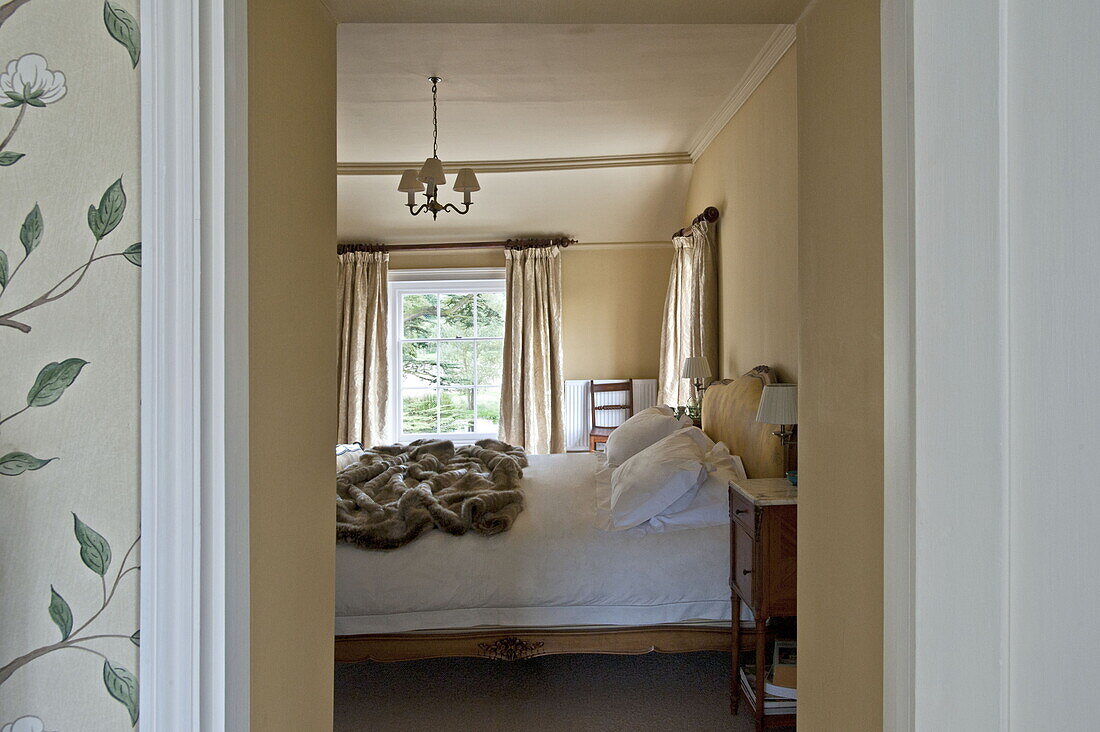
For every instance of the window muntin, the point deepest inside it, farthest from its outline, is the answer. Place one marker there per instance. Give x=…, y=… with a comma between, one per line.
x=449, y=353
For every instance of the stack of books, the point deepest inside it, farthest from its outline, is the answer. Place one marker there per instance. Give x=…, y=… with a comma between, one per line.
x=780, y=681
x=773, y=703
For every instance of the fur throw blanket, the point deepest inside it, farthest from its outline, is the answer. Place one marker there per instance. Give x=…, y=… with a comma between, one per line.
x=397, y=492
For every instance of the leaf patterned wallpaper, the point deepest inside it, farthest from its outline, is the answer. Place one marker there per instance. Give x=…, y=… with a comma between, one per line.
x=70, y=254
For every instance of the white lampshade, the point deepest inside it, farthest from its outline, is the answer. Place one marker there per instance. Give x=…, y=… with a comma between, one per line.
x=409, y=183
x=696, y=367
x=432, y=172
x=778, y=404
x=466, y=181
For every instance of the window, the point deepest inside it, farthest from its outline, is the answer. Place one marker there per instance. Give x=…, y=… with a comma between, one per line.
x=447, y=354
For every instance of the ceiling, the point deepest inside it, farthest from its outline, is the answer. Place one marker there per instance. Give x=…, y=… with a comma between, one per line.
x=532, y=91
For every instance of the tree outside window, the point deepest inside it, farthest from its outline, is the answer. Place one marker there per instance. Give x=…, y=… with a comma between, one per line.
x=451, y=352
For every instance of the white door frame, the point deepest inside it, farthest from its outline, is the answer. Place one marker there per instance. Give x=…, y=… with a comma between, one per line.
x=946, y=518
x=194, y=599
x=194, y=657
x=899, y=396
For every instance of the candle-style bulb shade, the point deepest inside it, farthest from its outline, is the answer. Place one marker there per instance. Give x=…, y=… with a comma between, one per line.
x=466, y=181
x=409, y=183
x=778, y=404
x=696, y=367
x=432, y=172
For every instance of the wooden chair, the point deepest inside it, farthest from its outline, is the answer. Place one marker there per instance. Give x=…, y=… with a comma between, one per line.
x=599, y=433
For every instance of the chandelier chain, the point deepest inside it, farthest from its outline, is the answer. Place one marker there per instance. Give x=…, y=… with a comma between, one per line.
x=435, y=124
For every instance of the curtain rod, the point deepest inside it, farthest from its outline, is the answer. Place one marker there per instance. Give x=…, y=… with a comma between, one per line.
x=710, y=215
x=508, y=244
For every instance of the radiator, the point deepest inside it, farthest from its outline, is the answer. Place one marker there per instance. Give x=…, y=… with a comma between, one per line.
x=578, y=414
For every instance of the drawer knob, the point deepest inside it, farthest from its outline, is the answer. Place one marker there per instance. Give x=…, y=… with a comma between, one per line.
x=740, y=510
x=746, y=571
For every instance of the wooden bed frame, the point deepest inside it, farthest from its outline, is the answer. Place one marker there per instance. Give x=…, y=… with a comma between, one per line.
x=729, y=416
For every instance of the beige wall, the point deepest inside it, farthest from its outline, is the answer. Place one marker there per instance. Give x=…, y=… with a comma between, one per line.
x=750, y=172
x=292, y=353
x=612, y=300
x=612, y=304
x=840, y=353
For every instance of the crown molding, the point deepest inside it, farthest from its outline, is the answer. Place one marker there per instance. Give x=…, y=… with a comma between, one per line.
x=622, y=245
x=519, y=166
x=765, y=61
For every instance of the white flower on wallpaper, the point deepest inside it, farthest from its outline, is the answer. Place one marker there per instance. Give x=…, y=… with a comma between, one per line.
x=28, y=80
x=25, y=724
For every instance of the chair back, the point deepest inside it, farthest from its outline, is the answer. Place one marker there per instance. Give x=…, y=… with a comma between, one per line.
x=626, y=404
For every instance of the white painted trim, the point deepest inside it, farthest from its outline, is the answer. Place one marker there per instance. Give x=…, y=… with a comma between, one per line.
x=899, y=386
x=765, y=61
x=524, y=165
x=585, y=246
x=447, y=275
x=194, y=658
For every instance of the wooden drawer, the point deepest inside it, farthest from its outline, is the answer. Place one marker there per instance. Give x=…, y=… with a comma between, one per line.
x=742, y=511
x=742, y=550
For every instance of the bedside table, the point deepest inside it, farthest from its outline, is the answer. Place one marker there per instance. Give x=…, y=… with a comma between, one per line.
x=763, y=573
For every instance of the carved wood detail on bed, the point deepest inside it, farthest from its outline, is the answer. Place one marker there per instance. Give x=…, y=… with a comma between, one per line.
x=513, y=644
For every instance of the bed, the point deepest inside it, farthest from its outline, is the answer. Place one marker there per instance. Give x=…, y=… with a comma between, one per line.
x=555, y=583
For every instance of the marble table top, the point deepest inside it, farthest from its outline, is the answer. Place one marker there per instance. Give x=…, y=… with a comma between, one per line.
x=767, y=491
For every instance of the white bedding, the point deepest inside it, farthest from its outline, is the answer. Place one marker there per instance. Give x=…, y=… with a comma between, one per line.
x=553, y=568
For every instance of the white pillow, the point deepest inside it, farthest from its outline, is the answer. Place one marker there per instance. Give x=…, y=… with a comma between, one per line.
x=347, y=455
x=708, y=505
x=655, y=478
x=640, y=431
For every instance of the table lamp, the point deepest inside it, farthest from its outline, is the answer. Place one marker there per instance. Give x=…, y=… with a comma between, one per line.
x=696, y=368
x=779, y=406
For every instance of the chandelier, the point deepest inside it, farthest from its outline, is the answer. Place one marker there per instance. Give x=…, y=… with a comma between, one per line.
x=430, y=177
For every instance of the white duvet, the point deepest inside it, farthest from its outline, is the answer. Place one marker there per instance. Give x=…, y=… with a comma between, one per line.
x=554, y=567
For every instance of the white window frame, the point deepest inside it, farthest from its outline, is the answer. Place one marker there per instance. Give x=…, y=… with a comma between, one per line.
x=425, y=281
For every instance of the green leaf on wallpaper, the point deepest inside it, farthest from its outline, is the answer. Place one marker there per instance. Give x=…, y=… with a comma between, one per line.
x=17, y=463
x=136, y=638
x=30, y=233
x=60, y=613
x=3, y=269
x=123, y=28
x=103, y=220
x=133, y=254
x=95, y=552
x=8, y=157
x=122, y=685
x=53, y=380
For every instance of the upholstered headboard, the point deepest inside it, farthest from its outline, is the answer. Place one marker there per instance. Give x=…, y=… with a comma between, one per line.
x=729, y=416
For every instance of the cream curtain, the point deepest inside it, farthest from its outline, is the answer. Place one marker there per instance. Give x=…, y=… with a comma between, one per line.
x=532, y=397
x=364, y=384
x=691, y=314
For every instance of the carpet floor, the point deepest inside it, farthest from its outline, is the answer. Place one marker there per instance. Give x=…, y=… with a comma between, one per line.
x=580, y=692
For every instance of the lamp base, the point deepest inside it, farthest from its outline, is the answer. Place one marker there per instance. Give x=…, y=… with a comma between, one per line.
x=787, y=437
